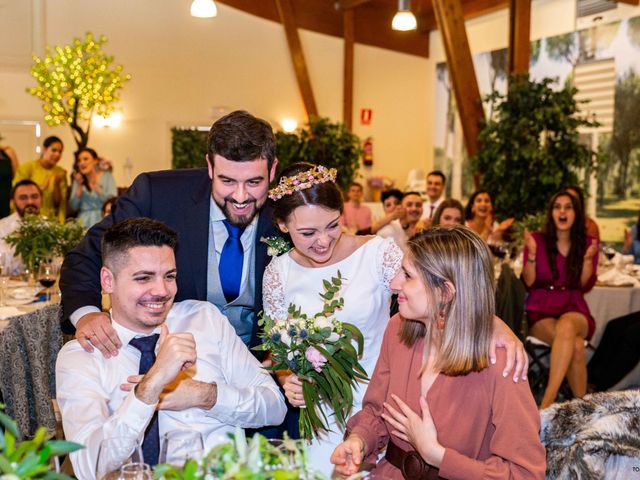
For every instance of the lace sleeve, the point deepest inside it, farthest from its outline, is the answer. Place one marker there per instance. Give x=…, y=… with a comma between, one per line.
x=273, y=291
x=389, y=260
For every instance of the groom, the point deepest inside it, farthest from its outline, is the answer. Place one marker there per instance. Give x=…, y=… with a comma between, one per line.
x=219, y=216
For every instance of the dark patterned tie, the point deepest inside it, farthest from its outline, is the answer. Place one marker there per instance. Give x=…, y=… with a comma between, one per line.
x=151, y=442
x=230, y=267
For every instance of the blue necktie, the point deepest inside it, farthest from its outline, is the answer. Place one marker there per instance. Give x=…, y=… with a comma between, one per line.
x=151, y=442
x=230, y=267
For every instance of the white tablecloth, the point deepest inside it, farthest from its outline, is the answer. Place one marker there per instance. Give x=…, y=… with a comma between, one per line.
x=607, y=303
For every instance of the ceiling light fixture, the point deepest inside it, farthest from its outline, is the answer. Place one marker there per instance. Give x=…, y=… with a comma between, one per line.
x=404, y=20
x=203, y=9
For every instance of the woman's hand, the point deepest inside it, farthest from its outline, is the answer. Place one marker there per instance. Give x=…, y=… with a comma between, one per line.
x=530, y=243
x=419, y=431
x=503, y=336
x=292, y=389
x=628, y=241
x=591, y=251
x=348, y=456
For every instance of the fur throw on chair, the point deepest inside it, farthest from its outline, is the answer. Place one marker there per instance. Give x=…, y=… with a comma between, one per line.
x=581, y=435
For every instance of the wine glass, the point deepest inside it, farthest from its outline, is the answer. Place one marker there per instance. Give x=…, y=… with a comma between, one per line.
x=4, y=276
x=47, y=276
x=178, y=446
x=135, y=471
x=114, y=453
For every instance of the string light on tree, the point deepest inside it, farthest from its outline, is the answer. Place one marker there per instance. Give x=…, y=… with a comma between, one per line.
x=75, y=82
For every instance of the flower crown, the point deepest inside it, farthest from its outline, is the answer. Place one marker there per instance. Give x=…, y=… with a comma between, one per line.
x=302, y=181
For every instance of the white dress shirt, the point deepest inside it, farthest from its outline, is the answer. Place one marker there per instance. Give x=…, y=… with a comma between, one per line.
x=94, y=407
x=427, y=211
x=394, y=230
x=9, y=225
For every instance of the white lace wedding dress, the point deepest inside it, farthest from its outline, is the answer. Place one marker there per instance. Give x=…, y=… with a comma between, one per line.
x=366, y=274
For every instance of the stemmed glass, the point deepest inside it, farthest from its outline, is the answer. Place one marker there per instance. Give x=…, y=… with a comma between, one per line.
x=178, y=446
x=47, y=275
x=4, y=276
x=114, y=453
x=135, y=471
x=609, y=252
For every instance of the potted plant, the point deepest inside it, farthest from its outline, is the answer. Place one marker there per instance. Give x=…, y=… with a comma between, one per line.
x=30, y=458
x=322, y=142
x=530, y=147
x=39, y=237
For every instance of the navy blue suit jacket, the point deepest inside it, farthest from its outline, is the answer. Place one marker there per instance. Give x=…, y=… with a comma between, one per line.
x=179, y=199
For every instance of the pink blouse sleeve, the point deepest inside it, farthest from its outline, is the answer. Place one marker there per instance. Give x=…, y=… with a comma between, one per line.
x=516, y=450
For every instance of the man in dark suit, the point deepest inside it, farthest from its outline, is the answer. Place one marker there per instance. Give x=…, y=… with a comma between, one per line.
x=219, y=216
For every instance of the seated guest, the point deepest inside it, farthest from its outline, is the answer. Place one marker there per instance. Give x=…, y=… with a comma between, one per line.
x=632, y=241
x=189, y=368
x=27, y=198
x=435, y=194
x=590, y=224
x=559, y=268
x=356, y=217
x=391, y=204
x=91, y=187
x=480, y=217
x=449, y=213
x=408, y=224
x=435, y=401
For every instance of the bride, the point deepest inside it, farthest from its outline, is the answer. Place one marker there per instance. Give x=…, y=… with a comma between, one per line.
x=308, y=205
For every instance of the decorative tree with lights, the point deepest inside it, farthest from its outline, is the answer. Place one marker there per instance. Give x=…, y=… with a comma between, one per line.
x=74, y=82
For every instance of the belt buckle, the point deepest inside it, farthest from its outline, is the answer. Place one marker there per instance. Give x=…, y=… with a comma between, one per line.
x=413, y=465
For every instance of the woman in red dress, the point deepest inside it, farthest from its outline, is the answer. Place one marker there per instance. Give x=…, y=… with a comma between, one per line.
x=559, y=267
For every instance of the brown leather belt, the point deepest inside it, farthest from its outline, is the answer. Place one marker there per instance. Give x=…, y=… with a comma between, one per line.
x=411, y=464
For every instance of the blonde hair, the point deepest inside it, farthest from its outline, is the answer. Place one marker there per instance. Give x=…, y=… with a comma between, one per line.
x=459, y=256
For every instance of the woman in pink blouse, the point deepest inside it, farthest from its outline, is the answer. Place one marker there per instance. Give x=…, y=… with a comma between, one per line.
x=559, y=267
x=434, y=401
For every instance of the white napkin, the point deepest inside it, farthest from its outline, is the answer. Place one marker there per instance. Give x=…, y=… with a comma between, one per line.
x=6, y=312
x=22, y=293
x=615, y=277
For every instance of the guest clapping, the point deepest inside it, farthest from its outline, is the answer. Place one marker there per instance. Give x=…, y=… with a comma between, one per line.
x=435, y=401
x=480, y=217
x=91, y=188
x=391, y=204
x=50, y=178
x=560, y=266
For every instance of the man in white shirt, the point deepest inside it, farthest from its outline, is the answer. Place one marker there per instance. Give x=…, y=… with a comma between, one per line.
x=27, y=198
x=147, y=391
x=435, y=193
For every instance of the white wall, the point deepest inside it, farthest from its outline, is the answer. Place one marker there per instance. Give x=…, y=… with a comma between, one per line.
x=183, y=66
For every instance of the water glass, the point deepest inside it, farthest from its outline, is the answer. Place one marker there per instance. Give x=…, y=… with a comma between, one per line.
x=178, y=446
x=114, y=453
x=135, y=471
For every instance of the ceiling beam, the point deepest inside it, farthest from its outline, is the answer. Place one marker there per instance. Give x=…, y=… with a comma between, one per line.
x=287, y=18
x=463, y=76
x=349, y=4
x=348, y=23
x=630, y=2
x=519, y=36
x=470, y=9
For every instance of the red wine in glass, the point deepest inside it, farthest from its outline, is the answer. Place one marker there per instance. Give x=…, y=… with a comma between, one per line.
x=47, y=282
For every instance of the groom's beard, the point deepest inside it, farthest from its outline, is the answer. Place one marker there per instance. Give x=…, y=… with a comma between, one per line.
x=239, y=220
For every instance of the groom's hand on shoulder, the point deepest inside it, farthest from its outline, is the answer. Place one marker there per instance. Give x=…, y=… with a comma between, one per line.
x=95, y=330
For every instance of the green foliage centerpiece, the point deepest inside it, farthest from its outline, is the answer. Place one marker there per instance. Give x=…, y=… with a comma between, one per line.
x=319, y=350
x=39, y=237
x=29, y=458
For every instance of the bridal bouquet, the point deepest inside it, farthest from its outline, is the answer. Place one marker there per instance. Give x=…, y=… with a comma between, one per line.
x=320, y=350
